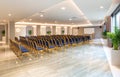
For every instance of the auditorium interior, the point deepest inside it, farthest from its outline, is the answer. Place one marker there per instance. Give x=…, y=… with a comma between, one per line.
x=60, y=38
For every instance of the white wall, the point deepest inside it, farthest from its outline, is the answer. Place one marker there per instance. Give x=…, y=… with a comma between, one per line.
x=75, y=31
x=29, y=28
x=81, y=31
x=49, y=28
x=89, y=30
x=58, y=30
x=20, y=31
x=54, y=30
x=42, y=30
x=34, y=30
x=69, y=30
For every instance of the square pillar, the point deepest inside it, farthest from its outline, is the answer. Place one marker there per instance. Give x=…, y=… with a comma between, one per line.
x=38, y=30
x=54, y=30
x=80, y=31
x=11, y=30
x=69, y=31
x=6, y=33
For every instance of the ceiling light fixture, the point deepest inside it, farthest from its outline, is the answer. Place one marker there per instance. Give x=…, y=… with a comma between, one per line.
x=63, y=8
x=101, y=7
x=9, y=14
x=41, y=15
x=30, y=59
x=70, y=19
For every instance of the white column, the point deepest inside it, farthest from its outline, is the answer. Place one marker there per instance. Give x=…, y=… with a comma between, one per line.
x=38, y=29
x=34, y=30
x=51, y=29
x=6, y=33
x=58, y=30
x=65, y=29
x=11, y=30
x=81, y=31
x=75, y=31
x=54, y=30
x=69, y=31
x=43, y=30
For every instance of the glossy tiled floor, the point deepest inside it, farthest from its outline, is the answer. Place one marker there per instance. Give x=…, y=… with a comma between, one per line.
x=5, y=53
x=88, y=60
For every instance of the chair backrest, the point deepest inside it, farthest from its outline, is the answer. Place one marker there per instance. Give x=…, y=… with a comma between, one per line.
x=16, y=39
x=52, y=40
x=15, y=47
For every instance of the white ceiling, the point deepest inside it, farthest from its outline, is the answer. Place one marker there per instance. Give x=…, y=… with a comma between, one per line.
x=80, y=11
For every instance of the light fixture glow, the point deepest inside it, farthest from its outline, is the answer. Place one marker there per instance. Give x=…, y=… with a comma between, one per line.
x=34, y=26
x=63, y=8
x=70, y=19
x=21, y=24
x=101, y=7
x=30, y=59
x=16, y=62
x=9, y=14
x=41, y=15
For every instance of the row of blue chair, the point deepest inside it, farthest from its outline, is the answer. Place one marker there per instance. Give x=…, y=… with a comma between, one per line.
x=48, y=42
x=36, y=44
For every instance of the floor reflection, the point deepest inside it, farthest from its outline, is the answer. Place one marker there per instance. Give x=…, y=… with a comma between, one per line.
x=87, y=60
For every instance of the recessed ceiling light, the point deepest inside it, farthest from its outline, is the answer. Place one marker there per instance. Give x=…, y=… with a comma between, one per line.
x=9, y=14
x=41, y=15
x=101, y=7
x=70, y=19
x=63, y=8
x=30, y=19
